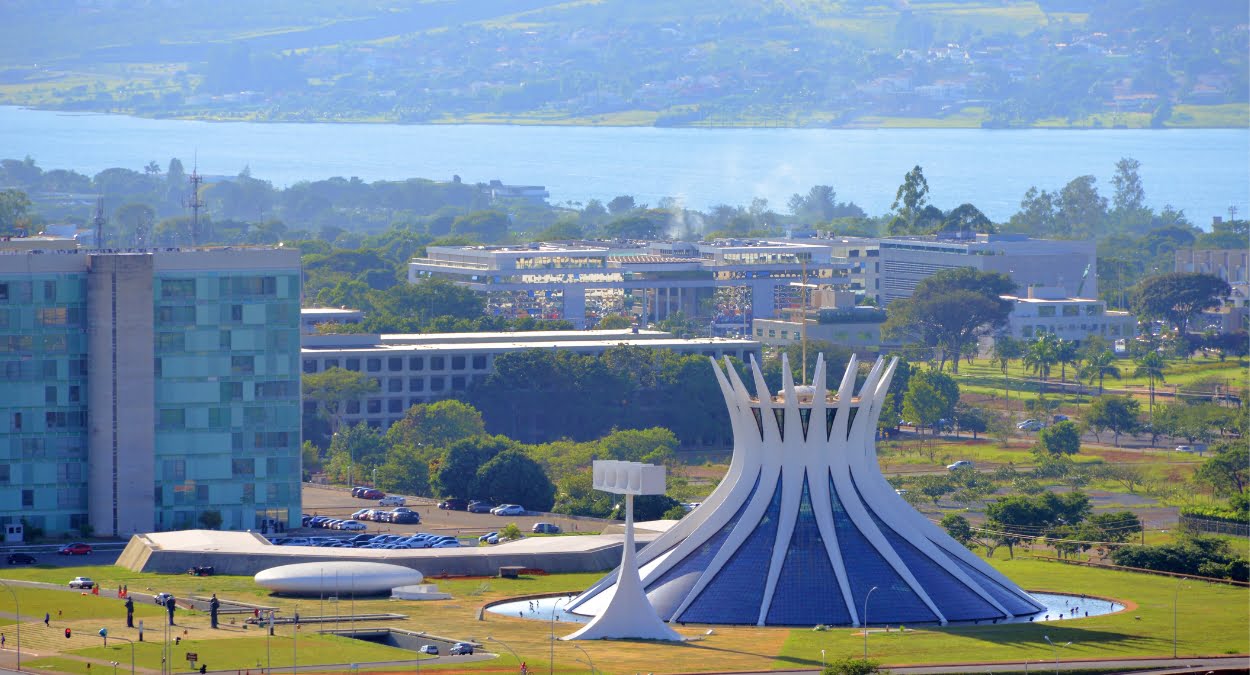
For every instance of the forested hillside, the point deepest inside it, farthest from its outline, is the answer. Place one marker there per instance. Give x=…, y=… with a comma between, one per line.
x=639, y=62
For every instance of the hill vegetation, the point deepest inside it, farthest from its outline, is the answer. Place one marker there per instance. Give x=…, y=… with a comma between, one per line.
x=992, y=63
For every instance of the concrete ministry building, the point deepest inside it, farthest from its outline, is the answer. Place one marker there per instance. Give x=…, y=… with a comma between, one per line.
x=579, y=281
x=146, y=388
x=804, y=529
x=1050, y=310
x=420, y=368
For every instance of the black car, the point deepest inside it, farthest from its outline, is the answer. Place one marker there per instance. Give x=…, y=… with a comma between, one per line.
x=21, y=559
x=480, y=507
x=453, y=504
x=405, y=517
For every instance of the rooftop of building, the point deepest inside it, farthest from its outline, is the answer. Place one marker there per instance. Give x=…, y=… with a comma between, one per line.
x=493, y=342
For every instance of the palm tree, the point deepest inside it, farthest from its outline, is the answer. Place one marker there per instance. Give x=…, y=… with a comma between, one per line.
x=1066, y=353
x=1150, y=366
x=1098, y=366
x=1041, y=354
x=1006, y=348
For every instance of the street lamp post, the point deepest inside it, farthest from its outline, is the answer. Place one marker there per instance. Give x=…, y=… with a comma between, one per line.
x=17, y=614
x=551, y=666
x=822, y=661
x=589, y=661
x=295, y=643
x=1054, y=650
x=1175, y=596
x=132, y=653
x=505, y=646
x=866, y=596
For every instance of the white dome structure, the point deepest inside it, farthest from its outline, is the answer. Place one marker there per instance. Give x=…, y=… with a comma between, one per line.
x=804, y=526
x=337, y=577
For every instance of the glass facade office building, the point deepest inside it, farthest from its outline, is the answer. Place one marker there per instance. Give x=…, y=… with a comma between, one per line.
x=151, y=390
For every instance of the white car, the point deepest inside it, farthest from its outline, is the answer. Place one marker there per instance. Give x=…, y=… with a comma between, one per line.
x=1184, y=448
x=81, y=582
x=391, y=500
x=352, y=525
x=961, y=464
x=509, y=510
x=162, y=599
x=1030, y=425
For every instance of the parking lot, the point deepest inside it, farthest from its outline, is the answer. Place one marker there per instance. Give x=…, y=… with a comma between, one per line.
x=337, y=502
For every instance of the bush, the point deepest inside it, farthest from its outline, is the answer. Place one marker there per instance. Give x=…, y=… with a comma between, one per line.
x=853, y=666
x=1203, y=556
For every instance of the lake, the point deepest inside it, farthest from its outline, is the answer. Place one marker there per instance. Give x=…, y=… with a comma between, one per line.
x=1202, y=171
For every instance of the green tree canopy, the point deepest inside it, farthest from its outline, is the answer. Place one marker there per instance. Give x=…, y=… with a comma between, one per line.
x=1178, y=296
x=511, y=477
x=1228, y=469
x=1118, y=414
x=436, y=425
x=1063, y=438
x=332, y=388
x=950, y=310
x=456, y=474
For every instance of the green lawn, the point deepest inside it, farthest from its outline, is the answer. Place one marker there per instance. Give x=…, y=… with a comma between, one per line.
x=253, y=651
x=68, y=606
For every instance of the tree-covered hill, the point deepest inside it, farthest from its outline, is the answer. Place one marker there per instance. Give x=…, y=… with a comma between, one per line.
x=671, y=62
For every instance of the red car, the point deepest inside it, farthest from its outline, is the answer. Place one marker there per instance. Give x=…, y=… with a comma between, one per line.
x=371, y=493
x=75, y=549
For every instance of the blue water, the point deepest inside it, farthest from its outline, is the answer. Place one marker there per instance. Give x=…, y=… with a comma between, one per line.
x=1058, y=608
x=1202, y=171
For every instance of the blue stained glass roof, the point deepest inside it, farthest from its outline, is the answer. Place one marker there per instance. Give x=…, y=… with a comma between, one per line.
x=894, y=601
x=1011, y=601
x=953, y=598
x=807, y=592
x=734, y=596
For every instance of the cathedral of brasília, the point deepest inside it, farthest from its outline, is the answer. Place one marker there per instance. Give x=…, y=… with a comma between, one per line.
x=804, y=530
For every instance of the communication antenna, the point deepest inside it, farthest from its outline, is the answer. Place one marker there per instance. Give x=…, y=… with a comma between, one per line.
x=98, y=222
x=193, y=200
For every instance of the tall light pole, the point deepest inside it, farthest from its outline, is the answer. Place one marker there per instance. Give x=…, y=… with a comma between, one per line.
x=1054, y=650
x=17, y=614
x=822, y=661
x=1175, y=596
x=551, y=666
x=132, y=653
x=295, y=643
x=505, y=646
x=866, y=596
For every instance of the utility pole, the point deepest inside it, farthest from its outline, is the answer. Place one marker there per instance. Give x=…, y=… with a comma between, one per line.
x=194, y=202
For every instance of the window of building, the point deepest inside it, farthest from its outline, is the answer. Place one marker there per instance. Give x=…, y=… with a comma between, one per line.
x=1091, y=310
x=416, y=384
x=224, y=340
x=177, y=288
x=1026, y=331
x=395, y=384
x=479, y=362
x=28, y=497
x=17, y=421
x=331, y=363
x=236, y=312
x=310, y=365
x=772, y=332
x=374, y=405
x=1046, y=310
x=353, y=364
x=416, y=363
x=395, y=405
x=438, y=383
x=4, y=292
x=353, y=407
x=49, y=395
x=75, y=393
x=5, y=473
x=373, y=365
x=438, y=363
x=395, y=364
x=458, y=383
x=1071, y=310
x=171, y=418
x=242, y=365
x=457, y=363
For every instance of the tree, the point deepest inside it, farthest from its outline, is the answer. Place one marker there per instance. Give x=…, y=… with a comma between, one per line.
x=621, y=205
x=851, y=666
x=1037, y=214
x=1115, y=526
x=958, y=528
x=972, y=419
x=1066, y=353
x=210, y=519
x=1006, y=348
x=1228, y=469
x=934, y=486
x=136, y=221
x=456, y=474
x=1178, y=296
x=911, y=197
x=951, y=310
x=614, y=322
x=923, y=406
x=1129, y=202
x=1150, y=366
x=406, y=470
x=1098, y=366
x=1063, y=438
x=1082, y=213
x=332, y=388
x=354, y=452
x=13, y=207
x=967, y=219
x=511, y=477
x=484, y=226
x=1041, y=355
x=1119, y=414
x=436, y=425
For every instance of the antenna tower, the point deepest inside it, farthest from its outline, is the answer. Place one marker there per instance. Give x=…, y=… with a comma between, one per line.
x=194, y=202
x=98, y=222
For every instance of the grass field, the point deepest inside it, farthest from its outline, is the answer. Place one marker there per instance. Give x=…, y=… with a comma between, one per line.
x=1212, y=621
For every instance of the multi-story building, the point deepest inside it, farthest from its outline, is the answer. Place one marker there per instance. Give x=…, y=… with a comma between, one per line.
x=414, y=369
x=1050, y=310
x=149, y=389
x=1071, y=265
x=580, y=281
x=832, y=316
x=1231, y=265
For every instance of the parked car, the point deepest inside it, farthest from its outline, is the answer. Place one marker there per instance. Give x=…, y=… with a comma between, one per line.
x=81, y=582
x=76, y=548
x=509, y=510
x=480, y=507
x=352, y=525
x=546, y=528
x=453, y=504
x=429, y=649
x=1184, y=448
x=391, y=500
x=358, y=489
x=360, y=515
x=1030, y=425
x=486, y=538
x=406, y=517
x=162, y=599
x=460, y=648
x=961, y=464
x=21, y=559
x=690, y=506
x=371, y=493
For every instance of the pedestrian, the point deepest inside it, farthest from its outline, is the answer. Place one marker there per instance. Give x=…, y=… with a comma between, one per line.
x=130, y=613
x=213, y=606
x=3, y=639
x=47, y=619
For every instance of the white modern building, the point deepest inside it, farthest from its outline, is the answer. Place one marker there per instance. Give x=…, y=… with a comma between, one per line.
x=1050, y=310
x=1071, y=265
x=581, y=281
x=804, y=530
x=420, y=368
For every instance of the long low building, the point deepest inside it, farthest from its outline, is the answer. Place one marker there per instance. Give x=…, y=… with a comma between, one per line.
x=246, y=553
x=415, y=369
